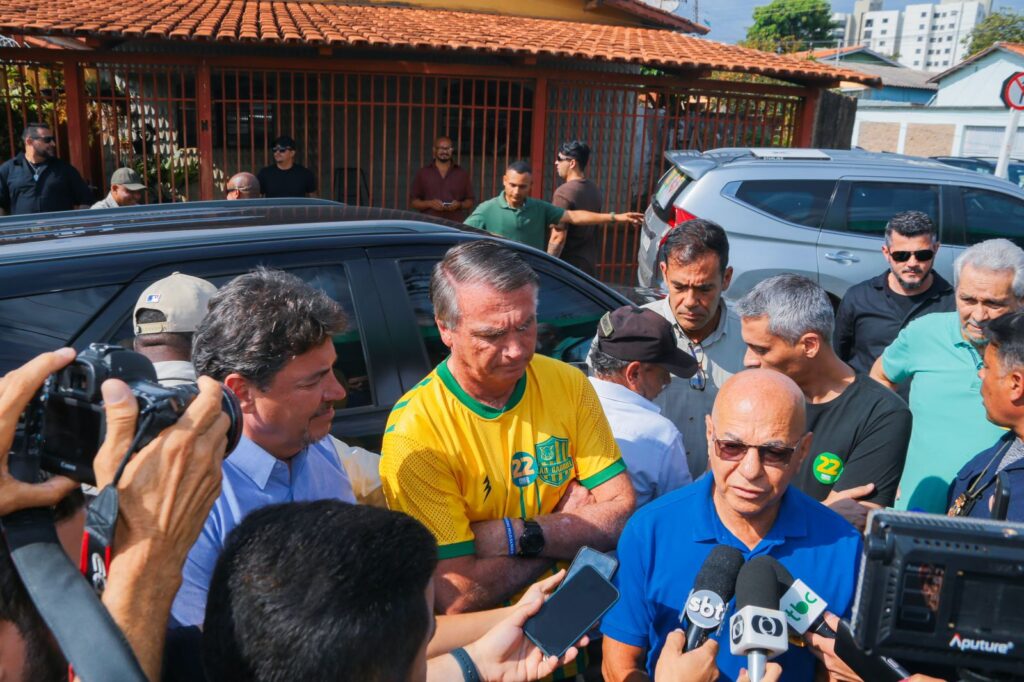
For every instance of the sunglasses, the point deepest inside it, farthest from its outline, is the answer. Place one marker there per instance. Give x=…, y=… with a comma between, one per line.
x=771, y=455
x=698, y=381
x=903, y=256
x=559, y=158
x=48, y=139
x=281, y=149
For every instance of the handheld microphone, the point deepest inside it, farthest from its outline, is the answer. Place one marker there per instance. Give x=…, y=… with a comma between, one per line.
x=805, y=612
x=713, y=587
x=803, y=608
x=757, y=629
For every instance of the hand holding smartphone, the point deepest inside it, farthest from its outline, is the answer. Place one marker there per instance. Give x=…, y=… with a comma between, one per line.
x=574, y=608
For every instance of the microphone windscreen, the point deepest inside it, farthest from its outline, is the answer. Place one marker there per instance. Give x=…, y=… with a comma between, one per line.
x=718, y=574
x=785, y=578
x=758, y=584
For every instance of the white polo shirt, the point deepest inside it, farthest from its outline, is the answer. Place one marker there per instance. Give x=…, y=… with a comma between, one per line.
x=651, y=445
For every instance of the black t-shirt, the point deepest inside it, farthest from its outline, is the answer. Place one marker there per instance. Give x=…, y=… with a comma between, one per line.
x=860, y=437
x=297, y=181
x=53, y=186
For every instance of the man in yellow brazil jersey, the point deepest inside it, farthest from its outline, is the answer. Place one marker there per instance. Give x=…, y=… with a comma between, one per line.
x=504, y=455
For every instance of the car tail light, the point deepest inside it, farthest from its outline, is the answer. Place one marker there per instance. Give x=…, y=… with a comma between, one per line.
x=679, y=215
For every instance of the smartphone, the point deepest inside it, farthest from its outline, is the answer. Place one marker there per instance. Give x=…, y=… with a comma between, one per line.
x=1001, y=497
x=569, y=613
x=605, y=564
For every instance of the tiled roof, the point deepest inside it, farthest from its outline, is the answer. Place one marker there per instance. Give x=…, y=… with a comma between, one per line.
x=896, y=76
x=330, y=24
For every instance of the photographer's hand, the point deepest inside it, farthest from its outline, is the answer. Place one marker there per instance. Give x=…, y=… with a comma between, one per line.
x=17, y=388
x=165, y=494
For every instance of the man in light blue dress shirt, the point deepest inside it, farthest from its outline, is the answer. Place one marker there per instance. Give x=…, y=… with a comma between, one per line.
x=286, y=388
x=632, y=358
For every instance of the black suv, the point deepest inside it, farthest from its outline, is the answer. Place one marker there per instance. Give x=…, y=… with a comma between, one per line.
x=73, y=278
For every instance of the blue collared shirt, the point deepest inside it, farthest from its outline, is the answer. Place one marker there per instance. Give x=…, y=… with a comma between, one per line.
x=665, y=544
x=252, y=479
x=651, y=445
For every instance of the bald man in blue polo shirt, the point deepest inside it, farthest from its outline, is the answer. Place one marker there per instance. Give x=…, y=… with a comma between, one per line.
x=757, y=440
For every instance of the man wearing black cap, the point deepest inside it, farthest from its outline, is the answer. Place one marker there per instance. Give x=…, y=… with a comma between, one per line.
x=286, y=178
x=632, y=359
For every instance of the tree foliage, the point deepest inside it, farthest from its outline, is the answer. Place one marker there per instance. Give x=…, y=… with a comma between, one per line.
x=790, y=25
x=1004, y=25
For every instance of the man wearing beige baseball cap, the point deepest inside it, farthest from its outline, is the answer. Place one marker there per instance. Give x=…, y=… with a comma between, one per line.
x=125, y=189
x=166, y=315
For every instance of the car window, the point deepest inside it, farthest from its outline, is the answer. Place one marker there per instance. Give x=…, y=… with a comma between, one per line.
x=566, y=317
x=350, y=367
x=988, y=215
x=803, y=202
x=30, y=325
x=872, y=204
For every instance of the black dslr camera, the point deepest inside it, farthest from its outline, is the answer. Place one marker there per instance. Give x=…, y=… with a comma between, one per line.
x=64, y=425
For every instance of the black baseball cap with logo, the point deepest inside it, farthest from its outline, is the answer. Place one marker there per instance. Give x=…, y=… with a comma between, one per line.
x=636, y=334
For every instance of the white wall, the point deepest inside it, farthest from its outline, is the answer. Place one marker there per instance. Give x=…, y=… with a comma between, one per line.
x=978, y=84
x=977, y=132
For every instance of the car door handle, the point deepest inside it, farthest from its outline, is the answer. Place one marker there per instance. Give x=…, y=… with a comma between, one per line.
x=842, y=257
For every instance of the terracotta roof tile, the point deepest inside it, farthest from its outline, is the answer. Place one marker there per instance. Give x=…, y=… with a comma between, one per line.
x=319, y=23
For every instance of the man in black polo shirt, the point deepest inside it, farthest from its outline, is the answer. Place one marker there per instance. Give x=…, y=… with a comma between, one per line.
x=873, y=312
x=286, y=178
x=36, y=181
x=861, y=429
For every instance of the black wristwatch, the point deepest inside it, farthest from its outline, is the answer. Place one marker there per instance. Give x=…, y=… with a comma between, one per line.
x=531, y=542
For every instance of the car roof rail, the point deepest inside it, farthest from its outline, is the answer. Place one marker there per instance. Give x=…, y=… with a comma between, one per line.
x=222, y=214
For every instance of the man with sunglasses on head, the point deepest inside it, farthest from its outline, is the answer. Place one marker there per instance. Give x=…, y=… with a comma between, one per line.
x=873, y=312
x=285, y=178
x=694, y=262
x=577, y=244
x=36, y=181
x=860, y=428
x=941, y=355
x=758, y=439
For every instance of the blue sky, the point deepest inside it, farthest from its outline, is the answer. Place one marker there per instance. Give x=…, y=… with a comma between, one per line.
x=729, y=19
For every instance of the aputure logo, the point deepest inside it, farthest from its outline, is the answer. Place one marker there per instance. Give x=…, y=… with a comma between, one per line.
x=705, y=608
x=983, y=645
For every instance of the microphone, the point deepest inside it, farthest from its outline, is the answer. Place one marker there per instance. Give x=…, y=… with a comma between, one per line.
x=805, y=611
x=803, y=608
x=757, y=629
x=713, y=587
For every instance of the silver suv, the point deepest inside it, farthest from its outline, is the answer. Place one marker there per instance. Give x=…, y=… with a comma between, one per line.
x=822, y=212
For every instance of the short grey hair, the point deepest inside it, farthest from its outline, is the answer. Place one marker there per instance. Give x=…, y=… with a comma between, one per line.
x=994, y=255
x=486, y=261
x=794, y=305
x=604, y=365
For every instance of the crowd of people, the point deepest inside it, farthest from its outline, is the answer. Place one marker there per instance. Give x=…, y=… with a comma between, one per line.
x=770, y=424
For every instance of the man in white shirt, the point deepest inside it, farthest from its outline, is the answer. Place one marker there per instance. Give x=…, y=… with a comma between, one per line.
x=633, y=359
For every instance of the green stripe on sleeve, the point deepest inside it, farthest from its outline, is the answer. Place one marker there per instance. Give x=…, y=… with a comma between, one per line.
x=610, y=471
x=456, y=550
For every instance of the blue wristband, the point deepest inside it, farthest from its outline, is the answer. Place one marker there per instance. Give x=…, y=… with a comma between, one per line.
x=510, y=536
x=466, y=664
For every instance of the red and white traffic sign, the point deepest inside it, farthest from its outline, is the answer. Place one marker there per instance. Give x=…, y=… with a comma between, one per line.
x=1012, y=93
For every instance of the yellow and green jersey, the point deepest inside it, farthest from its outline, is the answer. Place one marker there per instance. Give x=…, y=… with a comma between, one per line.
x=449, y=460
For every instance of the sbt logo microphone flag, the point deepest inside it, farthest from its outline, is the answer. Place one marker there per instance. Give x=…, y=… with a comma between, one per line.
x=704, y=608
x=757, y=628
x=801, y=606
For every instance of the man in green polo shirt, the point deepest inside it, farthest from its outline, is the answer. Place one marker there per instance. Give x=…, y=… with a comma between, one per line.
x=941, y=354
x=516, y=215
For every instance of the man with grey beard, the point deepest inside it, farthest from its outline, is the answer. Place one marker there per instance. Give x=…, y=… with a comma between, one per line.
x=873, y=312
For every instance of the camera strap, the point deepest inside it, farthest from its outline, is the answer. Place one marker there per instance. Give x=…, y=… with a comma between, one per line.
x=98, y=538
x=966, y=500
x=82, y=626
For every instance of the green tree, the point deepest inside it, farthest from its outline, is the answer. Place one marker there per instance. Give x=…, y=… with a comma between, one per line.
x=1005, y=25
x=790, y=25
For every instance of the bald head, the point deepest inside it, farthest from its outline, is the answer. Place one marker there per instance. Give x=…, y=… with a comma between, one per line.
x=762, y=395
x=243, y=186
